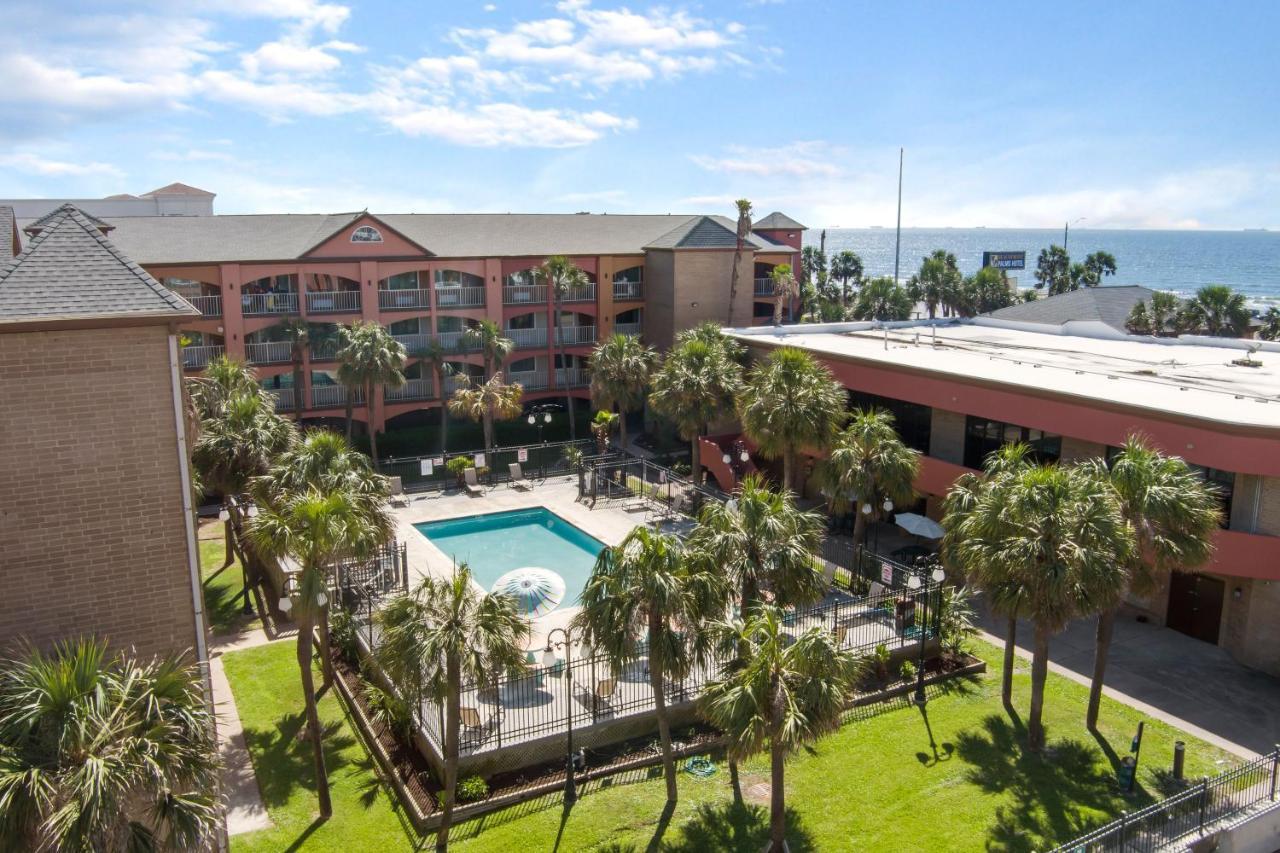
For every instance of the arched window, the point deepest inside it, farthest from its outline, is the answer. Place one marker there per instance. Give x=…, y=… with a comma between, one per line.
x=366, y=234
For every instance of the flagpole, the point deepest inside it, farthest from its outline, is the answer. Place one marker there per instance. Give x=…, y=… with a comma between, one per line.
x=897, y=240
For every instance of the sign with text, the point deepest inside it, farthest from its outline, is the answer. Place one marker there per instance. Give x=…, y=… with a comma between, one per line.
x=886, y=574
x=522, y=455
x=1005, y=260
x=427, y=468
x=479, y=460
x=437, y=461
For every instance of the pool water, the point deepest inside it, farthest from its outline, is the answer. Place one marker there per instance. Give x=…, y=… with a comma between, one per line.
x=495, y=543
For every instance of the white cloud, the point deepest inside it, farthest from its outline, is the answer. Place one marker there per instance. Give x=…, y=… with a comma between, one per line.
x=28, y=163
x=489, y=125
x=796, y=160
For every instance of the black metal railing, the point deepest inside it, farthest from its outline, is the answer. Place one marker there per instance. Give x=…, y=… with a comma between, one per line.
x=1228, y=795
x=540, y=460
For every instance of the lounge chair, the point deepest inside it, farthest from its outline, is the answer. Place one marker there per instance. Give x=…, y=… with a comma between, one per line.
x=397, y=496
x=470, y=483
x=840, y=633
x=603, y=693
x=518, y=479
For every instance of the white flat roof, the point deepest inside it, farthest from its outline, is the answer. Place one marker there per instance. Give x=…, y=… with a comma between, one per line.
x=1191, y=376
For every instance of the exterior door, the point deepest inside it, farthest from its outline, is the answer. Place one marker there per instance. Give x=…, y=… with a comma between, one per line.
x=1195, y=605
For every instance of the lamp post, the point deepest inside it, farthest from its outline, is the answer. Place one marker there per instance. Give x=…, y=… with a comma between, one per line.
x=1066, y=227
x=541, y=423
x=549, y=659
x=914, y=582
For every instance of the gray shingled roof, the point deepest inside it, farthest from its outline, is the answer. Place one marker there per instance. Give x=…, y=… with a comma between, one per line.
x=70, y=271
x=34, y=228
x=8, y=234
x=778, y=222
x=1111, y=305
x=178, y=188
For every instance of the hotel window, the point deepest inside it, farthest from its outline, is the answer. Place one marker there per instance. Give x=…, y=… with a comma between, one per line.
x=523, y=321
x=1222, y=483
x=913, y=422
x=455, y=278
x=524, y=365
x=631, y=275
x=401, y=281
x=983, y=436
x=366, y=234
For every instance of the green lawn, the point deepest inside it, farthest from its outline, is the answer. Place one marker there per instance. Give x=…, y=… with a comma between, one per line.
x=221, y=588
x=890, y=779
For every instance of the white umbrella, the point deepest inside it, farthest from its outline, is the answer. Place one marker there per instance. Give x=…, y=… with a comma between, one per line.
x=919, y=525
x=536, y=591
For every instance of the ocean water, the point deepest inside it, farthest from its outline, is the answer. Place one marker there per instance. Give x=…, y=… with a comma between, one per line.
x=1181, y=261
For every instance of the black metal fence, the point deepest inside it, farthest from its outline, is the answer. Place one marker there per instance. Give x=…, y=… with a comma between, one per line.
x=540, y=460
x=1228, y=795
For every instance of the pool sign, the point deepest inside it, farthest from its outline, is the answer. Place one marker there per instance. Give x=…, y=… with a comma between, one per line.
x=479, y=460
x=886, y=573
x=427, y=468
x=1005, y=260
x=522, y=455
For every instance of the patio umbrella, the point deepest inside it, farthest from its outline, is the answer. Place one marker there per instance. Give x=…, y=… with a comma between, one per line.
x=919, y=525
x=536, y=591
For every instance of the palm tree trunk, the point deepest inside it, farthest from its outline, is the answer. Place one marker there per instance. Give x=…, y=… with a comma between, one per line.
x=1039, y=672
x=1006, y=679
x=444, y=411
x=733, y=280
x=326, y=660
x=660, y=709
x=305, y=637
x=777, y=798
x=564, y=365
x=351, y=411
x=297, y=387
x=622, y=426
x=487, y=423
x=229, y=555
x=373, y=433
x=453, y=711
x=1102, y=647
x=695, y=459
x=859, y=525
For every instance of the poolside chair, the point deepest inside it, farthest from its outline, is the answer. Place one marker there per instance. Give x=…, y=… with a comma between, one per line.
x=840, y=633
x=470, y=483
x=518, y=479
x=603, y=693
x=397, y=496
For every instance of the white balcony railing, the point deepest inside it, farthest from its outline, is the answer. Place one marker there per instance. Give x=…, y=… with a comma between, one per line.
x=571, y=335
x=326, y=351
x=284, y=398
x=456, y=342
x=524, y=294
x=459, y=297
x=208, y=306
x=764, y=287
x=404, y=300
x=453, y=382
x=586, y=293
x=530, y=380
x=527, y=338
x=333, y=302
x=271, y=352
x=195, y=358
x=634, y=329
x=413, y=389
x=328, y=396
x=414, y=344
x=572, y=377
x=269, y=303
x=624, y=290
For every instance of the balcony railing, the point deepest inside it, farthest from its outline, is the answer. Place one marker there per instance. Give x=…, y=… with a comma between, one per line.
x=328, y=396
x=527, y=338
x=404, y=300
x=624, y=290
x=572, y=377
x=268, y=303
x=195, y=358
x=571, y=335
x=524, y=294
x=586, y=293
x=333, y=302
x=208, y=306
x=453, y=382
x=413, y=389
x=414, y=344
x=271, y=352
x=530, y=380
x=628, y=329
x=459, y=297
x=284, y=398
x=764, y=287
x=456, y=342
x=326, y=351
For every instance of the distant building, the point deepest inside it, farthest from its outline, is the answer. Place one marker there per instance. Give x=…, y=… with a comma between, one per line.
x=1110, y=305
x=173, y=200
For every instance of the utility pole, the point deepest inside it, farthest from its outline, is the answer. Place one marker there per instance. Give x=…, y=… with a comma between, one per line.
x=897, y=240
x=1066, y=226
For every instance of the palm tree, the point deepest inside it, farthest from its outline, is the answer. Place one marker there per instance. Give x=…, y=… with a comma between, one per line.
x=298, y=332
x=1270, y=330
x=785, y=289
x=936, y=280
x=1174, y=514
x=868, y=463
x=695, y=385
x=223, y=379
x=489, y=401
x=1164, y=311
x=441, y=635
x=1052, y=541
x=1139, y=321
x=105, y=753
x=1053, y=270
x=846, y=266
x=778, y=694
x=620, y=371
x=743, y=232
x=882, y=299
x=984, y=291
x=791, y=403
x=602, y=427
x=1219, y=311
x=437, y=357
x=487, y=337
x=1098, y=265
x=563, y=275
x=644, y=592
x=317, y=529
x=370, y=359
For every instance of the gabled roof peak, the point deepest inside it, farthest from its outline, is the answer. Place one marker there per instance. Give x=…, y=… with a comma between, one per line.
x=777, y=221
x=40, y=224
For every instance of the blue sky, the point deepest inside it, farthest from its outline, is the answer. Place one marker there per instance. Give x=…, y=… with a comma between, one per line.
x=1130, y=115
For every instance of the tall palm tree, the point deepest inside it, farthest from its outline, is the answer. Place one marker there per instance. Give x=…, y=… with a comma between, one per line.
x=695, y=385
x=846, y=266
x=494, y=347
x=317, y=529
x=438, y=358
x=1164, y=311
x=1058, y=536
x=1097, y=266
x=882, y=299
x=102, y=752
x=1053, y=270
x=489, y=401
x=644, y=592
x=561, y=276
x=933, y=280
x=779, y=694
x=620, y=371
x=1174, y=514
x=791, y=403
x=370, y=359
x=785, y=290
x=441, y=635
x=602, y=426
x=223, y=378
x=299, y=334
x=1219, y=311
x=743, y=231
x=868, y=463
x=1270, y=330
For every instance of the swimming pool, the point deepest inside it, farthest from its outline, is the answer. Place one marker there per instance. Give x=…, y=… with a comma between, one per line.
x=495, y=543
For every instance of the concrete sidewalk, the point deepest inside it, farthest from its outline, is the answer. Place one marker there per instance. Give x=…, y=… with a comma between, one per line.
x=245, y=811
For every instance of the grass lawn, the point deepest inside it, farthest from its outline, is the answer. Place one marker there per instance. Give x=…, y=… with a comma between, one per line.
x=953, y=778
x=220, y=587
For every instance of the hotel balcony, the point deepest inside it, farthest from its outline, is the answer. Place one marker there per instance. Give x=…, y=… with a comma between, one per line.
x=283, y=397
x=414, y=344
x=624, y=291
x=208, y=306
x=326, y=351
x=453, y=382
x=330, y=396
x=456, y=342
x=334, y=302
x=527, y=338
x=530, y=380
x=634, y=329
x=257, y=304
x=195, y=358
x=573, y=377
x=764, y=287
x=413, y=389
x=580, y=294
x=459, y=297
x=572, y=335
x=524, y=294
x=404, y=300
x=271, y=352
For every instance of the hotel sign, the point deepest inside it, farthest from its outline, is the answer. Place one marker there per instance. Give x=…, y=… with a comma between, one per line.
x=1005, y=260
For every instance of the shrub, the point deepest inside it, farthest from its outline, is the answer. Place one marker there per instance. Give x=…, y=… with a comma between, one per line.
x=881, y=659
x=342, y=634
x=956, y=620
x=472, y=789
x=457, y=465
x=907, y=671
x=389, y=710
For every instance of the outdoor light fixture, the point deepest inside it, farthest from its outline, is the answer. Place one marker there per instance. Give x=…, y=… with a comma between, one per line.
x=549, y=659
x=913, y=582
x=726, y=458
x=888, y=505
x=548, y=656
x=322, y=599
x=938, y=575
x=253, y=510
x=744, y=456
x=224, y=514
x=546, y=417
x=532, y=420
x=866, y=509
x=286, y=600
